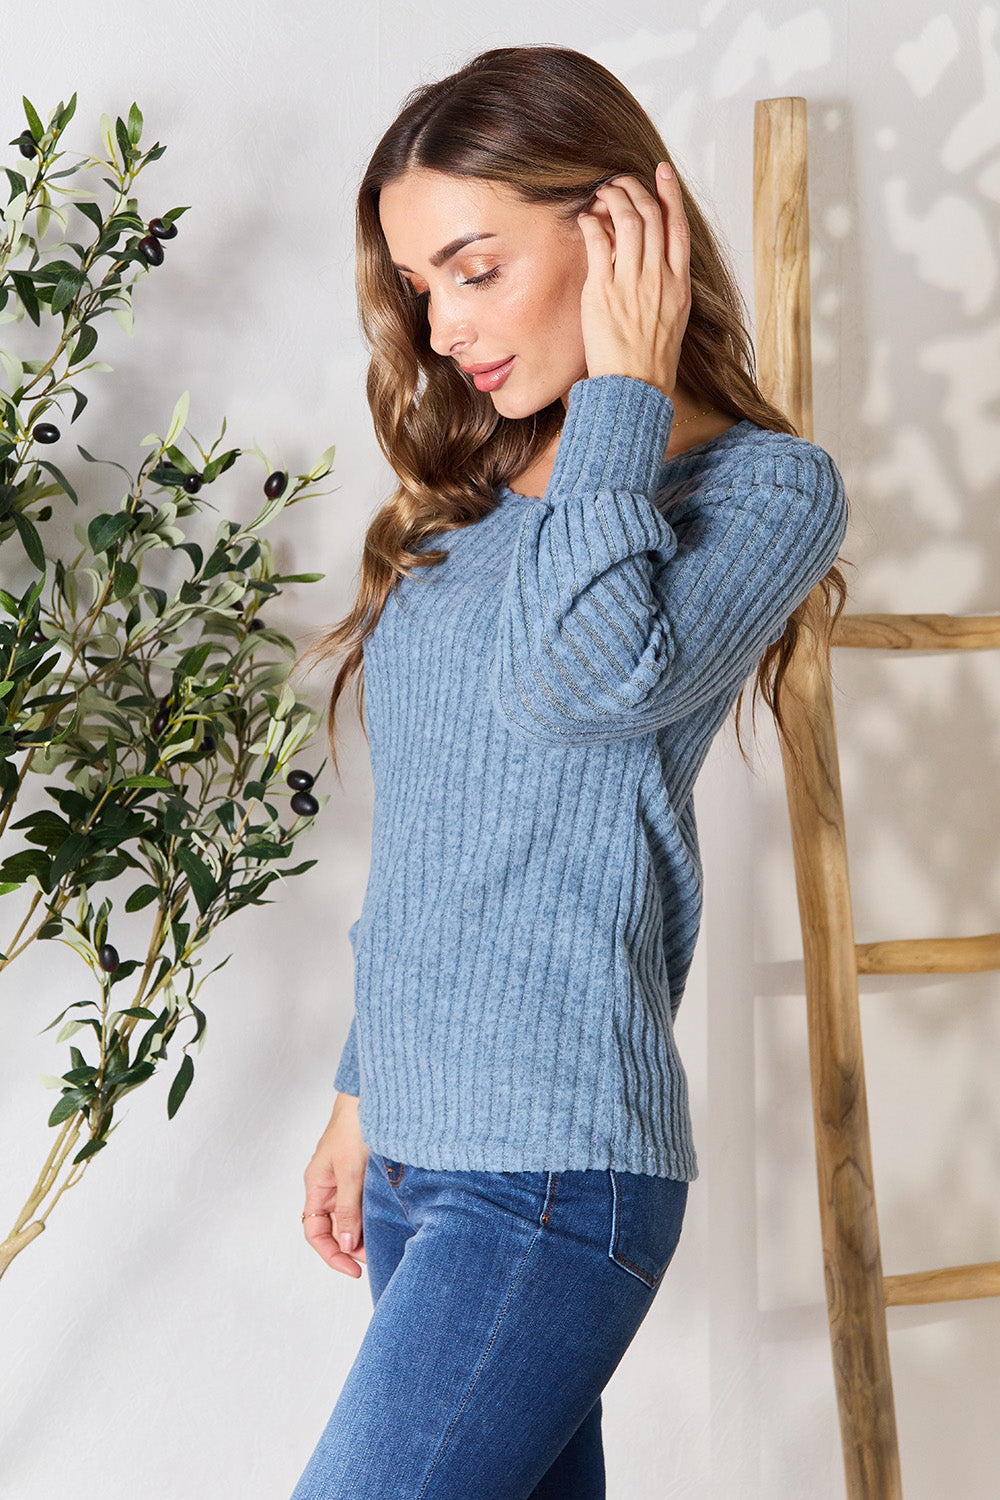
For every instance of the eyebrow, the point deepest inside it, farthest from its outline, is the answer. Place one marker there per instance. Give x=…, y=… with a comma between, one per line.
x=440, y=256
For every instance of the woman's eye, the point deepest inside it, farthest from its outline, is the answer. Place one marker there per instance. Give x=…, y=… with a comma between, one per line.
x=484, y=279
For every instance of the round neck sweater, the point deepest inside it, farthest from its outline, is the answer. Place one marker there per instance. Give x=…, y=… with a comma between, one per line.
x=538, y=708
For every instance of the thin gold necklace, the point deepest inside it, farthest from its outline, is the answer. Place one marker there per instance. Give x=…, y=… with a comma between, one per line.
x=696, y=415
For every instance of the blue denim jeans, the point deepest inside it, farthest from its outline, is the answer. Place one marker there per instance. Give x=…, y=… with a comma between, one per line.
x=503, y=1301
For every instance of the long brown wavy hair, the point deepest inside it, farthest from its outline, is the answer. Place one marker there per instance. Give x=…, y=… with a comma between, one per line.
x=551, y=124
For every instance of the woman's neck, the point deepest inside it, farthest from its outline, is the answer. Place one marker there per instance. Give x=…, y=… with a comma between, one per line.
x=693, y=423
x=691, y=426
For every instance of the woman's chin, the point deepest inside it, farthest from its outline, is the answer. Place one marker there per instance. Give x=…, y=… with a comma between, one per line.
x=517, y=406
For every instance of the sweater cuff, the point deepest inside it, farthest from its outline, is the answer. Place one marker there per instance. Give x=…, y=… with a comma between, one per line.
x=347, y=1079
x=614, y=437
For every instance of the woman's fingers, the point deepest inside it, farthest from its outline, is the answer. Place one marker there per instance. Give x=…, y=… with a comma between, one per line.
x=666, y=234
x=638, y=225
x=334, y=1181
x=636, y=299
x=598, y=243
x=319, y=1227
x=677, y=231
x=347, y=1209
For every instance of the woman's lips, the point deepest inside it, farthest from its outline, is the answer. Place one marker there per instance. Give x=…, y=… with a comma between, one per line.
x=490, y=377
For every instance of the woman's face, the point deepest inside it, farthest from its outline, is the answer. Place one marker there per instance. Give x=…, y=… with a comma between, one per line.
x=504, y=279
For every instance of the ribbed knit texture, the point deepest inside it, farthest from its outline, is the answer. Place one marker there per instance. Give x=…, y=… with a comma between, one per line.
x=538, y=708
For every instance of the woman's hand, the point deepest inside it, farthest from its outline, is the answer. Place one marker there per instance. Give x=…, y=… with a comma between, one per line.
x=334, y=1181
x=637, y=295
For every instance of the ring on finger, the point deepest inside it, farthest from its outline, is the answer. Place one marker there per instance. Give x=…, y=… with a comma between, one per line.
x=318, y=1213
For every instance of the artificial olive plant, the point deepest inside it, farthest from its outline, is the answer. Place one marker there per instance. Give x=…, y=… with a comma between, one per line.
x=147, y=719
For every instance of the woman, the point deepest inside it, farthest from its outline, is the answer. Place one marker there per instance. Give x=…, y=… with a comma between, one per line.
x=562, y=382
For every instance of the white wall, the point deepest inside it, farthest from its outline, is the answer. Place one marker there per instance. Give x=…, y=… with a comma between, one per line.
x=170, y=1337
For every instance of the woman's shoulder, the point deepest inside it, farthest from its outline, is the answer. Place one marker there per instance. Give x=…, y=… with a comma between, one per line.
x=757, y=456
x=791, y=462
x=747, y=438
x=752, y=474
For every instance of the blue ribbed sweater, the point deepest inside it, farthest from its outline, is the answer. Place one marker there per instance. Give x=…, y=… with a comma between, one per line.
x=538, y=707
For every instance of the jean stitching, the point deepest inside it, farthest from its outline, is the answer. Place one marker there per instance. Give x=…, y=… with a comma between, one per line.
x=616, y=1255
x=628, y=1265
x=551, y=1198
x=475, y=1377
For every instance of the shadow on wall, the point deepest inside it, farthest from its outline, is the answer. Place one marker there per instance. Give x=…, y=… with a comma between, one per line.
x=914, y=367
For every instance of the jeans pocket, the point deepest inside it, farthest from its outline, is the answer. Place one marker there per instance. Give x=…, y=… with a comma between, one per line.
x=647, y=1214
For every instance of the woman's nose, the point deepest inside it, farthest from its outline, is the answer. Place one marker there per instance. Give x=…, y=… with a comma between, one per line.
x=450, y=329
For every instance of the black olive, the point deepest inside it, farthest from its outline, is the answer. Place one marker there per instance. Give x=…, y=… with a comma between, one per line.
x=107, y=956
x=256, y=624
x=300, y=781
x=192, y=483
x=305, y=804
x=44, y=432
x=39, y=636
x=160, y=722
x=152, y=250
x=275, y=484
x=26, y=143
x=161, y=230
x=207, y=746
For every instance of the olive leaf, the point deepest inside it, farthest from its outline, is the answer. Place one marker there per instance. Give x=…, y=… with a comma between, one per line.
x=147, y=716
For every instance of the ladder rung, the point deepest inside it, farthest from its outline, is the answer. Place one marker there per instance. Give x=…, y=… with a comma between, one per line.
x=918, y=632
x=952, y=1284
x=971, y=955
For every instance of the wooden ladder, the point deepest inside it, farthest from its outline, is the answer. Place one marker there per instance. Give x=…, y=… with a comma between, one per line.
x=857, y=1291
